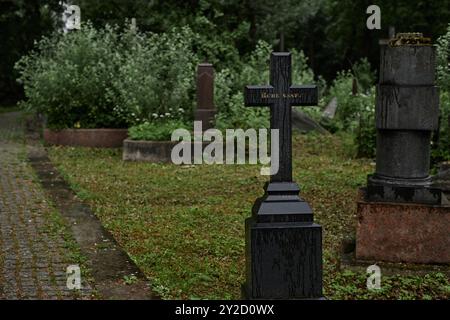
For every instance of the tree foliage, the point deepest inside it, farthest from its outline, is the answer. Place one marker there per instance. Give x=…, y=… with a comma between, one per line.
x=332, y=33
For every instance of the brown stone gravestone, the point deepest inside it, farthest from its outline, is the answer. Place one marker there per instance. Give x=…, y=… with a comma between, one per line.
x=205, y=95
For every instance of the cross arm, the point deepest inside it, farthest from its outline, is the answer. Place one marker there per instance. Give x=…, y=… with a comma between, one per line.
x=304, y=95
x=256, y=96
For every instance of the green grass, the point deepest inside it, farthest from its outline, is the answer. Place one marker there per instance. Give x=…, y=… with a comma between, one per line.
x=184, y=225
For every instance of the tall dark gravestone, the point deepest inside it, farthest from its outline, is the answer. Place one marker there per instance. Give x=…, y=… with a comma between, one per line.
x=205, y=95
x=407, y=111
x=283, y=244
x=402, y=216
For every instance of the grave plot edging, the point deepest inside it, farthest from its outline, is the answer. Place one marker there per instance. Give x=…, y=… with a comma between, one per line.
x=96, y=138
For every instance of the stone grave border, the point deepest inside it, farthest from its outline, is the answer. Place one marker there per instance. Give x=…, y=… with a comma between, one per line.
x=94, y=138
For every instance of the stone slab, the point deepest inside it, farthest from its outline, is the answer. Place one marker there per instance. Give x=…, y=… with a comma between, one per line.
x=403, y=154
x=304, y=123
x=407, y=108
x=284, y=260
x=330, y=109
x=160, y=151
x=149, y=151
x=407, y=65
x=377, y=191
x=412, y=233
x=94, y=138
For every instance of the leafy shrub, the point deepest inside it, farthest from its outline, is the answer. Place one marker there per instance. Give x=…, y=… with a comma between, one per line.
x=366, y=132
x=155, y=130
x=365, y=77
x=229, y=86
x=350, y=107
x=441, y=151
x=228, y=92
x=110, y=78
x=443, y=61
x=156, y=76
x=356, y=112
x=66, y=78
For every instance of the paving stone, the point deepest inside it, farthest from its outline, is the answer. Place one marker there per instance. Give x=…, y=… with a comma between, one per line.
x=32, y=263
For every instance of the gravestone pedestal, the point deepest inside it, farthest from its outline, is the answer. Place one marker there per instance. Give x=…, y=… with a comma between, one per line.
x=283, y=253
x=403, y=232
x=402, y=216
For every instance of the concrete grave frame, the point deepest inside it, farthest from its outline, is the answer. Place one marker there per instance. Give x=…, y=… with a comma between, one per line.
x=95, y=138
x=157, y=151
x=147, y=151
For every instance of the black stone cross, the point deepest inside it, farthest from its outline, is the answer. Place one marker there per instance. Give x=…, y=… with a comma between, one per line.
x=283, y=244
x=280, y=95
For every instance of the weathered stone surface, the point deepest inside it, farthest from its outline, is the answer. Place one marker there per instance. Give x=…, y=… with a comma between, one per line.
x=407, y=111
x=407, y=65
x=405, y=194
x=301, y=275
x=442, y=179
x=156, y=151
x=407, y=108
x=403, y=154
x=96, y=138
x=304, y=123
x=330, y=109
x=414, y=233
x=150, y=151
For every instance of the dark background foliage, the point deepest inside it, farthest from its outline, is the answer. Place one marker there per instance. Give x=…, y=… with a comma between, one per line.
x=332, y=33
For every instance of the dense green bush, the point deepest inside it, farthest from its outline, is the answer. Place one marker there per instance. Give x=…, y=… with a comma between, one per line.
x=66, y=78
x=350, y=106
x=110, y=78
x=228, y=92
x=113, y=78
x=441, y=151
x=254, y=69
x=443, y=61
x=156, y=77
x=366, y=132
x=355, y=112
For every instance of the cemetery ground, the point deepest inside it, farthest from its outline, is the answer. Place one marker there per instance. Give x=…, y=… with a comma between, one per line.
x=35, y=244
x=184, y=225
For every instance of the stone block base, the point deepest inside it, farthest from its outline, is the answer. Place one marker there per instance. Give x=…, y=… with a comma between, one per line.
x=413, y=233
x=284, y=260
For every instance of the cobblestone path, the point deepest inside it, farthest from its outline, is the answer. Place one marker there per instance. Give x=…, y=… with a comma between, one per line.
x=34, y=248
